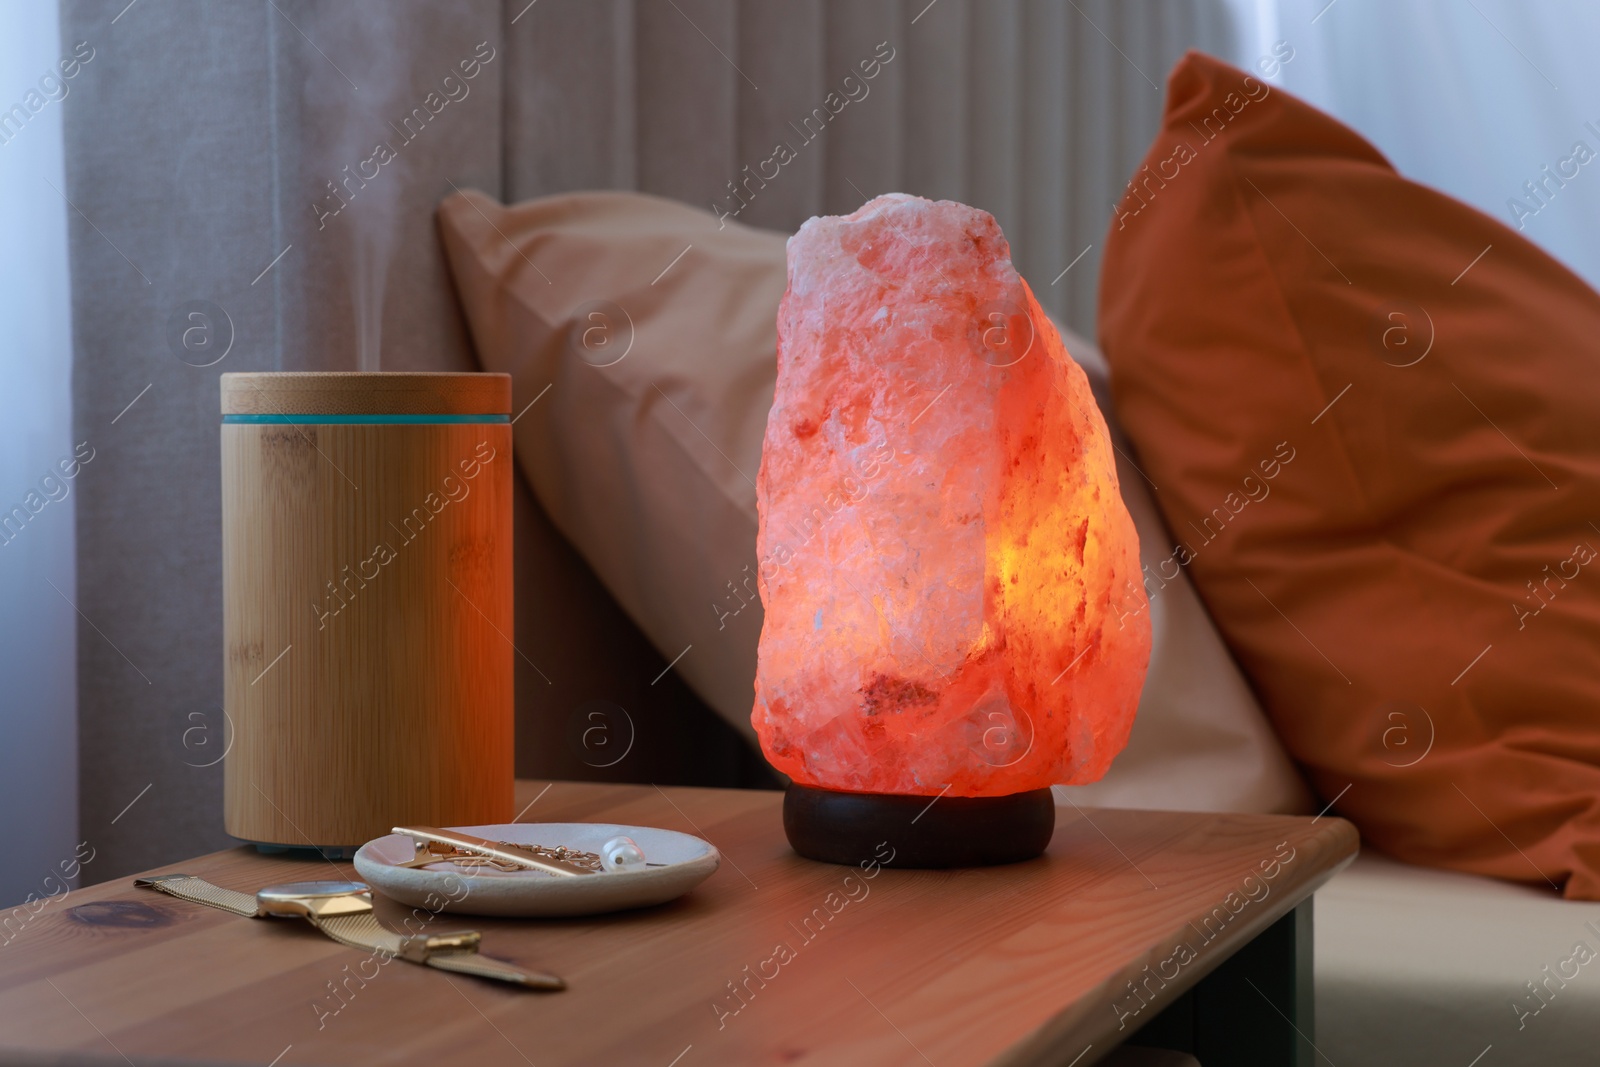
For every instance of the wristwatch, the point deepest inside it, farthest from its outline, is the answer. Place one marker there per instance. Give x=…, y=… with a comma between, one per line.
x=343, y=911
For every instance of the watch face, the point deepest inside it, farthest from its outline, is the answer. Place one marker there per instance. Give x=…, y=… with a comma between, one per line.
x=312, y=891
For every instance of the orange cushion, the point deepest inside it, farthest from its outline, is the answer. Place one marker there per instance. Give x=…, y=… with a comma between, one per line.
x=1374, y=417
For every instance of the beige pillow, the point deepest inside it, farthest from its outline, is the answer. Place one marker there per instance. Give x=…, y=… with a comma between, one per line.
x=642, y=332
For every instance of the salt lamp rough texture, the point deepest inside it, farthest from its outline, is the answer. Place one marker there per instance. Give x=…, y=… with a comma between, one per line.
x=952, y=588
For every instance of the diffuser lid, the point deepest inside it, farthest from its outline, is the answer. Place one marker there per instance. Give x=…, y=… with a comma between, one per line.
x=365, y=393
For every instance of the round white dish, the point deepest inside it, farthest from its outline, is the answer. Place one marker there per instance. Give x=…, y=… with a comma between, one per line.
x=687, y=861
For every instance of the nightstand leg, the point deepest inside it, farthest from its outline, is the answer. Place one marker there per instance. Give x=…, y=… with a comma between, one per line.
x=1255, y=1010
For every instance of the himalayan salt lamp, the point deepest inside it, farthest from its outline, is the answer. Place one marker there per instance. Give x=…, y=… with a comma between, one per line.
x=955, y=613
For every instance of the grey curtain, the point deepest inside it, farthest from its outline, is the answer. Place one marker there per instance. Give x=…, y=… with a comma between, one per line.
x=209, y=144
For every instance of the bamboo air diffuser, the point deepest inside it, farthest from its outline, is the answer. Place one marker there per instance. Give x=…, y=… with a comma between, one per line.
x=366, y=557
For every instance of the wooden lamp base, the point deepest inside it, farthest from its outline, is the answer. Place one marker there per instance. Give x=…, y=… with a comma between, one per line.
x=917, y=831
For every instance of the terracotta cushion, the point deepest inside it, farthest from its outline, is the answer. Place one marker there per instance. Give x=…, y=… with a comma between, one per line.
x=1371, y=411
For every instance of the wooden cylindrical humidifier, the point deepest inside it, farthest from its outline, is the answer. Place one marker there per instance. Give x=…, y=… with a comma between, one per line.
x=367, y=612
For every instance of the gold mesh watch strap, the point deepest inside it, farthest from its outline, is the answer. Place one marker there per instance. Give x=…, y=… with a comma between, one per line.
x=489, y=967
x=448, y=952
x=200, y=891
x=360, y=931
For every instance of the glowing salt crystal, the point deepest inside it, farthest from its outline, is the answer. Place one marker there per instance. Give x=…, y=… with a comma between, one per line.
x=951, y=581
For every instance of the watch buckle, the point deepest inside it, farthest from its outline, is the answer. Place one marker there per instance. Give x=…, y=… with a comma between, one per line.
x=418, y=947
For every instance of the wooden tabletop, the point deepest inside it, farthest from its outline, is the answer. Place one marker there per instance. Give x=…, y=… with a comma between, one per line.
x=1026, y=964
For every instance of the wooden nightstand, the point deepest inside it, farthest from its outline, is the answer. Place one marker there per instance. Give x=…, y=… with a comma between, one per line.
x=1193, y=927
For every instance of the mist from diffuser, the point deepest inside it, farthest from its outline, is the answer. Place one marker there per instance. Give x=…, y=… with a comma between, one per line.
x=954, y=604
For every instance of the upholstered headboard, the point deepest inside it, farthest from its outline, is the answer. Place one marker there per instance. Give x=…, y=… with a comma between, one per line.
x=224, y=159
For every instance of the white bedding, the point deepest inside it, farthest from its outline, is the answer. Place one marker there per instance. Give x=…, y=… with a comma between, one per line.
x=1421, y=967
